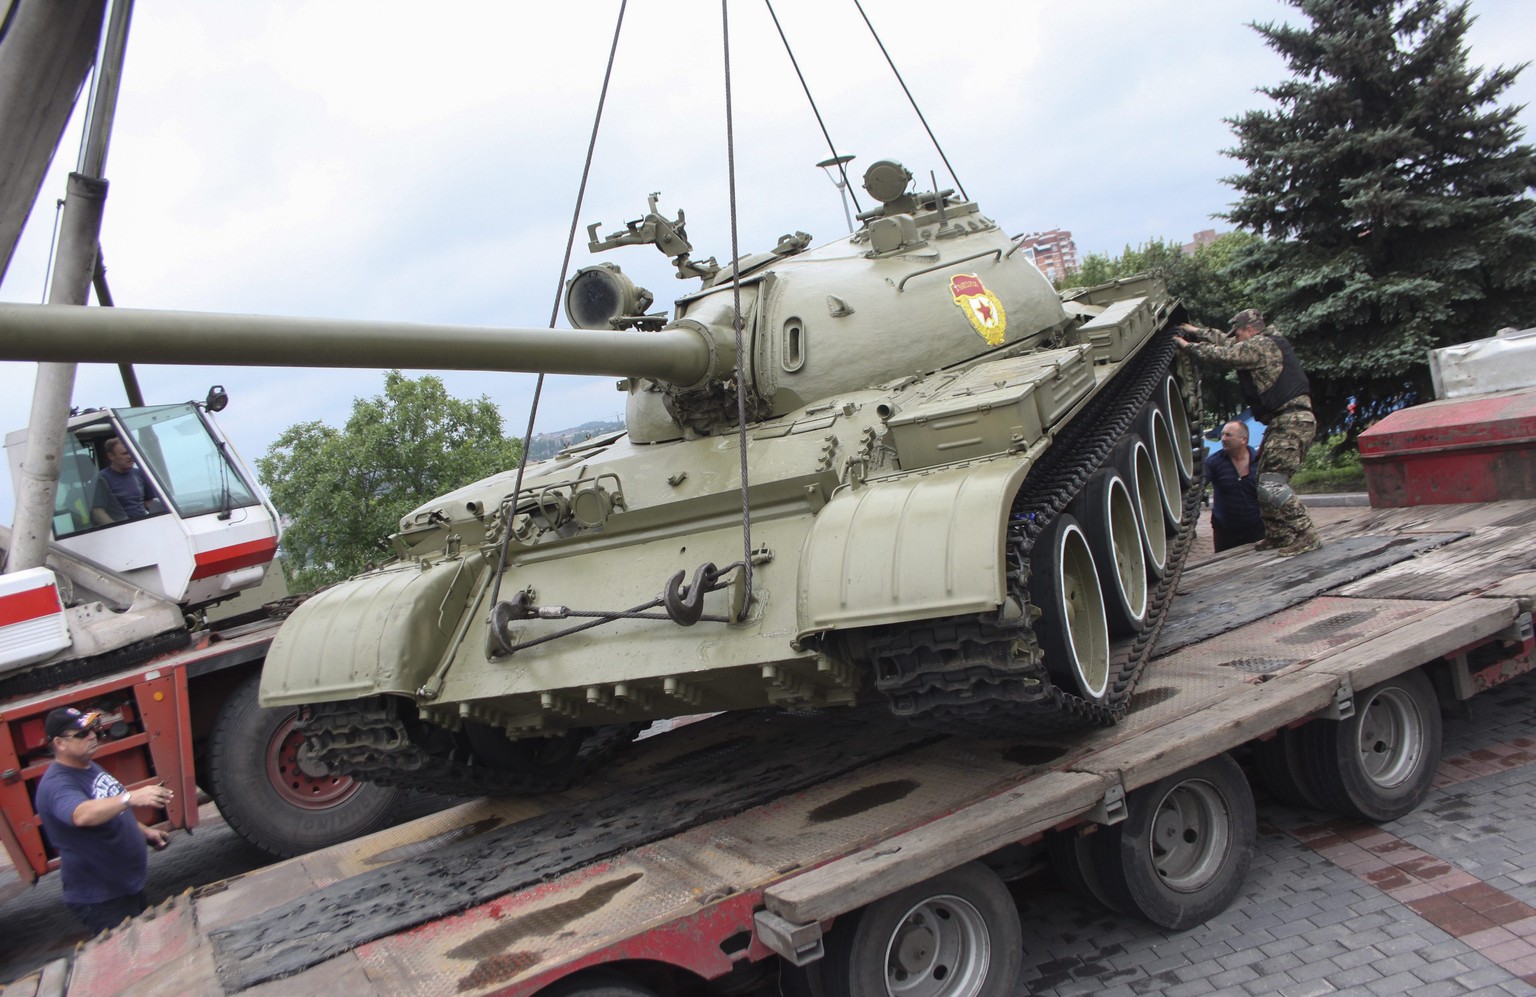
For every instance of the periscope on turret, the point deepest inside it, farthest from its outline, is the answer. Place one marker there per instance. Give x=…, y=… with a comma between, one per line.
x=967, y=495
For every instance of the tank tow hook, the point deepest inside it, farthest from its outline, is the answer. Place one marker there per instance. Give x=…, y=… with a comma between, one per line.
x=685, y=604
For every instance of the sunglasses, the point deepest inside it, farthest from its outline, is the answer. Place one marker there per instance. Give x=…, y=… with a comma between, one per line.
x=80, y=735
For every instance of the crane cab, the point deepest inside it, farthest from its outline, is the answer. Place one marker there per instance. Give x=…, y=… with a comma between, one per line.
x=207, y=531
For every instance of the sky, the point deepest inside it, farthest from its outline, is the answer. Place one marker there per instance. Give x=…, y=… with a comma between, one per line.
x=368, y=159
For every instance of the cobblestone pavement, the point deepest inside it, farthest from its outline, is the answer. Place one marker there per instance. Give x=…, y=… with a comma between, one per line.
x=1438, y=903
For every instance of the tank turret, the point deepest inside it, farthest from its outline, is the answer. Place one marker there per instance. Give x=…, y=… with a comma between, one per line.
x=964, y=494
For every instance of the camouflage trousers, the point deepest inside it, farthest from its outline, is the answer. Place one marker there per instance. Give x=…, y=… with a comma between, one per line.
x=1285, y=444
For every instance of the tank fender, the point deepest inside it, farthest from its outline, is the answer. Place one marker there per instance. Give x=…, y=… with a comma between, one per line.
x=383, y=632
x=910, y=547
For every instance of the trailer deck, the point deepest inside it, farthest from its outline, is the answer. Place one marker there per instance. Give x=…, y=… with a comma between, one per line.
x=657, y=859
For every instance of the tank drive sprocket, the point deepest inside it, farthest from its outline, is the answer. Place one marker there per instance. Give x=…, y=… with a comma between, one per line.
x=377, y=741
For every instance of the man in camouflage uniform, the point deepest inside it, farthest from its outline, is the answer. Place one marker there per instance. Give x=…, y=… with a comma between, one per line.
x=1276, y=389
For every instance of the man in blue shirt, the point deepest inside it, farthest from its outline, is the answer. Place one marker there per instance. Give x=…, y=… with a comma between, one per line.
x=1233, y=472
x=122, y=488
x=88, y=818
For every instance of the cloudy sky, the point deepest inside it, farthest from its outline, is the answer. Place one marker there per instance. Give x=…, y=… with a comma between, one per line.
x=372, y=160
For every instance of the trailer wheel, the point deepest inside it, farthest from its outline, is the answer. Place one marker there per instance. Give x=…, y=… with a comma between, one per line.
x=955, y=935
x=1109, y=518
x=1073, y=629
x=597, y=984
x=1380, y=763
x=1279, y=764
x=1073, y=862
x=1182, y=852
x=267, y=790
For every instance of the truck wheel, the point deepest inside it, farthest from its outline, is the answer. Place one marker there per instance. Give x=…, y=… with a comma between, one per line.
x=598, y=984
x=1114, y=536
x=1073, y=630
x=1134, y=462
x=1380, y=763
x=1180, y=855
x=272, y=795
x=955, y=935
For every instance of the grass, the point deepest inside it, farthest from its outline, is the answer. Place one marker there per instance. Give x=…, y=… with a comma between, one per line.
x=1330, y=466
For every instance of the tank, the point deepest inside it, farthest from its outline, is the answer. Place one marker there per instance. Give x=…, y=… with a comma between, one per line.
x=916, y=475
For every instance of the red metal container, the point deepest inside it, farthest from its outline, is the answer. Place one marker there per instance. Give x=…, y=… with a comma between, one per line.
x=1480, y=448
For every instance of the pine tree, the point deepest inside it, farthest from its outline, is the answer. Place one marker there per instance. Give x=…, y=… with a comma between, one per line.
x=1392, y=192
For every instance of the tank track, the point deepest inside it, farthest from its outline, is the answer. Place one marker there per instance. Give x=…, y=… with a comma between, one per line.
x=987, y=677
x=370, y=740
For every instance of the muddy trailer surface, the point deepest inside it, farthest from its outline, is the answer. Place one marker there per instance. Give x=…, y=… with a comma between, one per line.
x=743, y=842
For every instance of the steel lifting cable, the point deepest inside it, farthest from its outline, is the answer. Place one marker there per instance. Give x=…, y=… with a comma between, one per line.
x=741, y=383
x=554, y=313
x=842, y=168
x=913, y=101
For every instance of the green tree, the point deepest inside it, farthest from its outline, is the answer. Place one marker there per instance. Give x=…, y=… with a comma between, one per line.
x=1207, y=284
x=1393, y=194
x=1204, y=281
x=344, y=491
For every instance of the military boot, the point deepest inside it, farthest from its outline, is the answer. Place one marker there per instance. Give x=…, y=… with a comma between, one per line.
x=1302, y=544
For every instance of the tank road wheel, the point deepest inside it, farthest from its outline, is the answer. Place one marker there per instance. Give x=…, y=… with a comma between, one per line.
x=1179, y=428
x=1073, y=630
x=539, y=764
x=1165, y=465
x=1180, y=855
x=1380, y=763
x=956, y=935
x=270, y=790
x=1109, y=518
x=1134, y=462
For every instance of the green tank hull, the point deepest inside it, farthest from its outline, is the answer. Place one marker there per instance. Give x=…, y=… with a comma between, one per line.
x=967, y=495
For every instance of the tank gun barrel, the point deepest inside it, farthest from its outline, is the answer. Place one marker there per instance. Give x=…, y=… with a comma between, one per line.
x=681, y=355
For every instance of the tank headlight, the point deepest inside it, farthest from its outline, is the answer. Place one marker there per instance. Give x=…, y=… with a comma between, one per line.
x=599, y=294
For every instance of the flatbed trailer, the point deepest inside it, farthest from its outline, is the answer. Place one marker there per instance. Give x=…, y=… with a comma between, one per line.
x=713, y=857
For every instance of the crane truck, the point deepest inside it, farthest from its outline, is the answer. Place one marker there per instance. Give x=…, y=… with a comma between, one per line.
x=118, y=619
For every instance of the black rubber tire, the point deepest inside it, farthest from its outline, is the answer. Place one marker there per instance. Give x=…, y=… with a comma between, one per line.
x=598, y=983
x=1278, y=762
x=1171, y=396
x=1134, y=462
x=1380, y=763
x=1073, y=630
x=1072, y=861
x=977, y=949
x=1183, y=850
x=241, y=781
x=543, y=764
x=1108, y=515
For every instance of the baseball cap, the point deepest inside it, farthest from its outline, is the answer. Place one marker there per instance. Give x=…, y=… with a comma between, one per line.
x=68, y=720
x=1248, y=316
